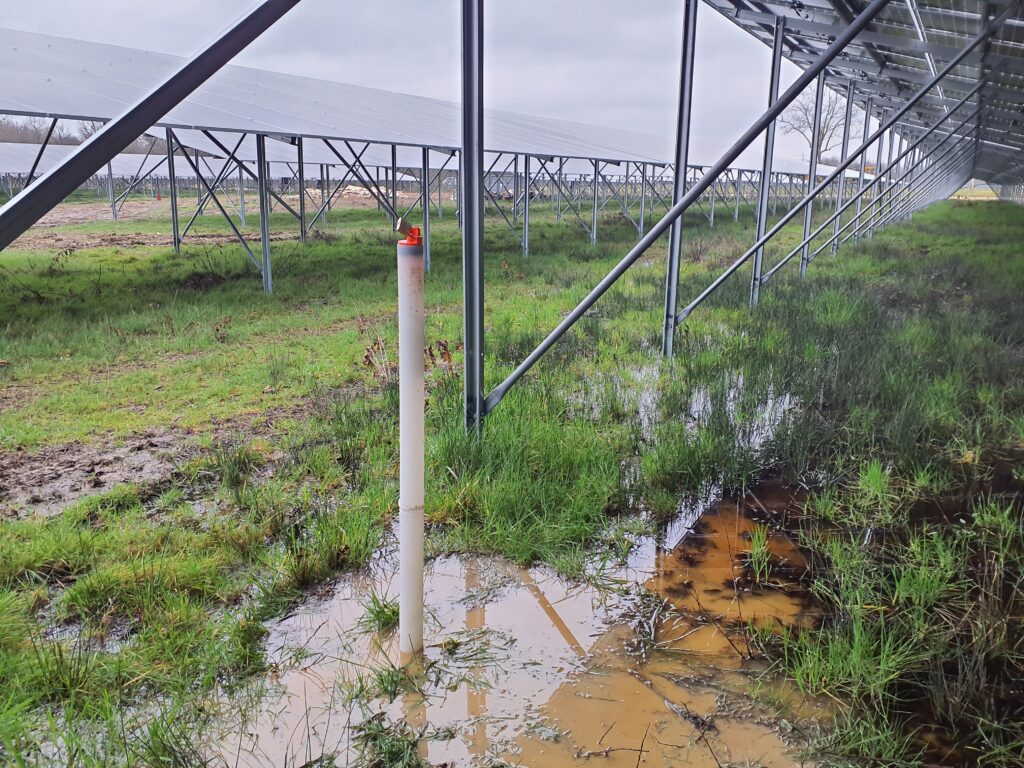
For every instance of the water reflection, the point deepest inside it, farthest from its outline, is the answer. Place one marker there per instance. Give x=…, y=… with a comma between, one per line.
x=528, y=668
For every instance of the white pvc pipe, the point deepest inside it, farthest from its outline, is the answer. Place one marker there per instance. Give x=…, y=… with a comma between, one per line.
x=410, y=442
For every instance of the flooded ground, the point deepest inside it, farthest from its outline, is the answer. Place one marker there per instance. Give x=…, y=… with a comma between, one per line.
x=523, y=668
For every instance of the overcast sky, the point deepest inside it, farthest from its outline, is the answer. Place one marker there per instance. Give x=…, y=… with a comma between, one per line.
x=605, y=62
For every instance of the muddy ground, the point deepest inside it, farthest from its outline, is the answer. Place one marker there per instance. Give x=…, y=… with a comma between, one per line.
x=525, y=668
x=44, y=482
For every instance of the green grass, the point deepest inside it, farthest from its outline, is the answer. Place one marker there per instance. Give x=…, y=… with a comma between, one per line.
x=887, y=381
x=380, y=614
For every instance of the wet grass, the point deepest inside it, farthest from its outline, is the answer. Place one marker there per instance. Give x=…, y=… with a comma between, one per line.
x=888, y=382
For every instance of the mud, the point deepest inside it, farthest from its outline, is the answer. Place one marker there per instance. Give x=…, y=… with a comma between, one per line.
x=525, y=668
x=46, y=481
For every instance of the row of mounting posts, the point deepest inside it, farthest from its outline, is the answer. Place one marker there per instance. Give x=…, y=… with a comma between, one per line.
x=693, y=194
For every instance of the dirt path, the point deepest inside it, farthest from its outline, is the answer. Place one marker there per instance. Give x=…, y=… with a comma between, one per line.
x=48, y=240
x=44, y=237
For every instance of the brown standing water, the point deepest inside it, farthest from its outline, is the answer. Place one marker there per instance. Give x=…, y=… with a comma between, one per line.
x=524, y=668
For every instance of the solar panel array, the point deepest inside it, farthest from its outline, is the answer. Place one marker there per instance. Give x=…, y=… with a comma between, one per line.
x=58, y=77
x=904, y=47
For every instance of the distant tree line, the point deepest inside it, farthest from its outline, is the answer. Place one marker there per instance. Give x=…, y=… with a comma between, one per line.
x=32, y=130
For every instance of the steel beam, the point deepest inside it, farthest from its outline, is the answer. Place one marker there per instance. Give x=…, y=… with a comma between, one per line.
x=812, y=171
x=172, y=192
x=394, y=183
x=769, y=152
x=471, y=208
x=302, y=189
x=42, y=149
x=864, y=157
x=847, y=127
x=425, y=202
x=261, y=175
x=682, y=159
x=241, y=194
x=526, y=206
x=110, y=191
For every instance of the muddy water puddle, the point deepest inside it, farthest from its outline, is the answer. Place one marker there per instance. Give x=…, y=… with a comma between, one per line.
x=525, y=668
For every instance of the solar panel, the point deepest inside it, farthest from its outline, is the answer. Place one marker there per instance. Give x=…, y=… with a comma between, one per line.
x=17, y=159
x=58, y=77
x=902, y=50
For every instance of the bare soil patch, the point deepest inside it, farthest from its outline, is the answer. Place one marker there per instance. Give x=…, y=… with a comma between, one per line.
x=46, y=481
x=44, y=239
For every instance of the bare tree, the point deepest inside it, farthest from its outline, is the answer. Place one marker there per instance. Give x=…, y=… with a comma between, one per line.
x=799, y=119
x=87, y=128
x=32, y=130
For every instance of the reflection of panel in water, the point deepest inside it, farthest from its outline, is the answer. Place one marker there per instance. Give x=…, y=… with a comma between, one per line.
x=518, y=656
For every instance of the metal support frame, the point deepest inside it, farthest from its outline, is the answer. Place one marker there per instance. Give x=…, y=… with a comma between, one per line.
x=836, y=216
x=985, y=34
x=218, y=178
x=172, y=140
x=471, y=208
x=597, y=202
x=769, y=152
x=693, y=194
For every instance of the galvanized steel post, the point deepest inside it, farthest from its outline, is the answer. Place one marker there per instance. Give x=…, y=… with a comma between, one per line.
x=110, y=191
x=394, y=183
x=261, y=178
x=812, y=171
x=769, y=152
x=241, y=194
x=526, y=206
x=847, y=125
x=172, y=191
x=425, y=202
x=471, y=208
x=863, y=157
x=302, y=190
x=682, y=148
